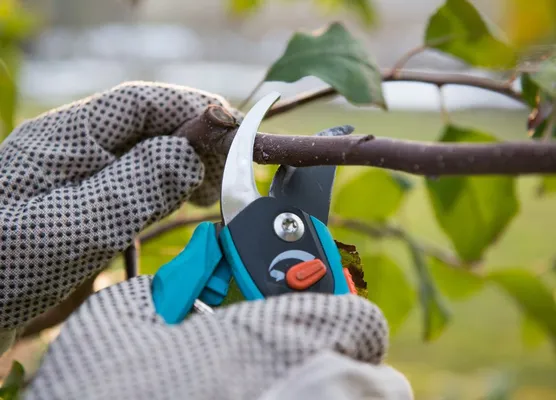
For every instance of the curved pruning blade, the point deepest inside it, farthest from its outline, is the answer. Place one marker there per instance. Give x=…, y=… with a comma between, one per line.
x=238, y=182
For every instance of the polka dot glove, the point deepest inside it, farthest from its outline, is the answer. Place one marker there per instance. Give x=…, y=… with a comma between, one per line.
x=296, y=347
x=77, y=184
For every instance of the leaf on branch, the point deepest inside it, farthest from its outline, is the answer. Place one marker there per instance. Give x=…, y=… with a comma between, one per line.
x=336, y=58
x=532, y=296
x=373, y=195
x=454, y=282
x=472, y=211
x=435, y=313
x=13, y=383
x=389, y=288
x=458, y=29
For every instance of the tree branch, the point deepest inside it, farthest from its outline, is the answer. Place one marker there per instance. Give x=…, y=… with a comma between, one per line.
x=439, y=80
x=213, y=132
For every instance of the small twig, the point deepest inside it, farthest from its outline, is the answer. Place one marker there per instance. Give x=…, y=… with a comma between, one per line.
x=405, y=58
x=404, y=76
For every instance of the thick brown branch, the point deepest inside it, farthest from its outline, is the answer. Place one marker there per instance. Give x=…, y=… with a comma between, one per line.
x=208, y=134
x=404, y=76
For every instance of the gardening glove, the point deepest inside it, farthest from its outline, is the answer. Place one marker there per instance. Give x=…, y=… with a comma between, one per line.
x=302, y=346
x=78, y=183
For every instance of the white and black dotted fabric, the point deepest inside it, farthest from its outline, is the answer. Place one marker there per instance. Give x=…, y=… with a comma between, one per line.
x=115, y=346
x=78, y=183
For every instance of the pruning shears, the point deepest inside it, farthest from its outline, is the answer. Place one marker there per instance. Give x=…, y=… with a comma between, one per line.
x=270, y=245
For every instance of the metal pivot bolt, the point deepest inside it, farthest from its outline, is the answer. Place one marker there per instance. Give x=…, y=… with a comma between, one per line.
x=289, y=227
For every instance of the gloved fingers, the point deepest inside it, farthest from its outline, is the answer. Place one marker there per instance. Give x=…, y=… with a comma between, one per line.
x=73, y=142
x=56, y=240
x=331, y=376
x=349, y=325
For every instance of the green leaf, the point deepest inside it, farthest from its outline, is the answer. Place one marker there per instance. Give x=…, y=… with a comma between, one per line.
x=373, y=195
x=13, y=383
x=548, y=185
x=9, y=68
x=336, y=58
x=532, y=296
x=472, y=211
x=458, y=29
x=386, y=277
x=456, y=283
x=435, y=313
x=532, y=334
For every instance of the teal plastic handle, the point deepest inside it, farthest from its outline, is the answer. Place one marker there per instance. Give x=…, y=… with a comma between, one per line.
x=177, y=284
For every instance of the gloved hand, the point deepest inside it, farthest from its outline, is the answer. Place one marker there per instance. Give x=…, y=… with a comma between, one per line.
x=296, y=347
x=77, y=184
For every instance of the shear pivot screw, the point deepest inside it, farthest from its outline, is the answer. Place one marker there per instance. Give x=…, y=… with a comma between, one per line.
x=289, y=227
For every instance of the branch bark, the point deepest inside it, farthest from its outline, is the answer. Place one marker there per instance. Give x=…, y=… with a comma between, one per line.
x=213, y=132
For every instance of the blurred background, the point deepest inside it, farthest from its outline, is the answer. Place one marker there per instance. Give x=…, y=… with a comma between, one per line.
x=85, y=46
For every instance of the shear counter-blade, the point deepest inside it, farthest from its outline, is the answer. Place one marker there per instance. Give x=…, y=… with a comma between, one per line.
x=238, y=182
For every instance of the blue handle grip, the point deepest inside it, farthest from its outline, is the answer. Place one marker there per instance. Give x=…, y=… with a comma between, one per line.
x=177, y=284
